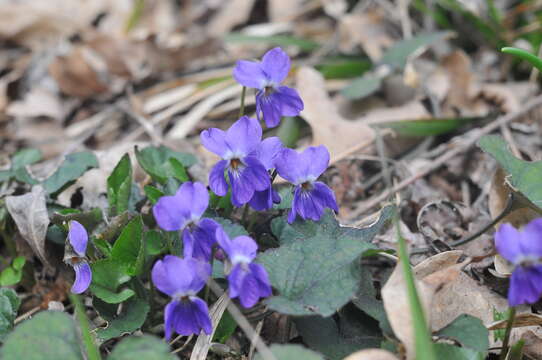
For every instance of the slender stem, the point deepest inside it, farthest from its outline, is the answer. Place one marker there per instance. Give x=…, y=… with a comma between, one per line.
x=509, y=325
x=508, y=208
x=93, y=352
x=244, y=324
x=242, y=107
x=245, y=215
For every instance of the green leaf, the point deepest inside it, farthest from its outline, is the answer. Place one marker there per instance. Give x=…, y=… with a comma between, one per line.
x=450, y=352
x=107, y=276
x=232, y=229
x=25, y=157
x=13, y=274
x=132, y=317
x=288, y=131
x=141, y=348
x=398, y=54
x=524, y=176
x=155, y=243
x=524, y=55
x=273, y=40
x=119, y=186
x=152, y=193
x=5, y=175
x=367, y=302
x=286, y=197
x=70, y=170
x=291, y=352
x=48, y=335
x=422, y=336
x=9, y=305
x=226, y=327
x=426, y=127
x=177, y=170
x=316, y=268
x=469, y=331
x=324, y=335
x=23, y=176
x=343, y=68
x=129, y=248
x=155, y=161
x=362, y=87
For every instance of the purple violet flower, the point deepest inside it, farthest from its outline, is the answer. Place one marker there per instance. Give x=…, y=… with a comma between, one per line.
x=311, y=197
x=524, y=250
x=78, y=238
x=182, y=279
x=267, y=153
x=247, y=281
x=183, y=211
x=272, y=99
x=236, y=146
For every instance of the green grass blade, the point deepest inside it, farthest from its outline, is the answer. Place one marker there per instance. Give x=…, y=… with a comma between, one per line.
x=93, y=352
x=422, y=341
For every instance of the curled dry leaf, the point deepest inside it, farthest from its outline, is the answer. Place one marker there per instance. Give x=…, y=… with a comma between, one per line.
x=231, y=13
x=521, y=320
x=29, y=212
x=328, y=126
x=371, y=354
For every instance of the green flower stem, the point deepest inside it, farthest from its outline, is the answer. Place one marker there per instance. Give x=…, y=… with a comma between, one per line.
x=509, y=325
x=242, y=107
x=93, y=352
x=524, y=55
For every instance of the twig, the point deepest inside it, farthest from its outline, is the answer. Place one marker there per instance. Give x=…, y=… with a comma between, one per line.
x=244, y=324
x=476, y=134
x=26, y=315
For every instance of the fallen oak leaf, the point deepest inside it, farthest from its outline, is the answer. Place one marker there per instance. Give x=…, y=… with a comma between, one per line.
x=328, y=126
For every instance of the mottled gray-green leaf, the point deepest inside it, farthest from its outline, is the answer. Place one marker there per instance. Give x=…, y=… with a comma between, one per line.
x=48, y=335
x=292, y=352
x=450, y=352
x=9, y=304
x=316, y=268
x=524, y=176
x=141, y=348
x=70, y=170
x=362, y=87
x=398, y=54
x=133, y=315
x=469, y=331
x=323, y=334
x=25, y=157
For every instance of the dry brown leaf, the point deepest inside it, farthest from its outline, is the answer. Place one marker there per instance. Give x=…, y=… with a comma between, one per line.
x=283, y=10
x=431, y=275
x=498, y=198
x=396, y=305
x=37, y=102
x=371, y=354
x=38, y=24
x=328, y=126
x=533, y=345
x=369, y=29
x=232, y=13
x=29, y=211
